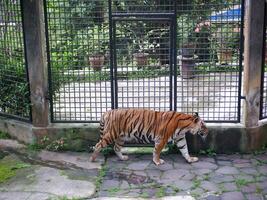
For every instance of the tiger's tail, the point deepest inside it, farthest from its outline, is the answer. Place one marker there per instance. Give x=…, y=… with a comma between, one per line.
x=102, y=143
x=102, y=125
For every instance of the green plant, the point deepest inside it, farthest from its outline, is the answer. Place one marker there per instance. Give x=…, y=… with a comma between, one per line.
x=209, y=152
x=160, y=192
x=262, y=150
x=34, y=147
x=241, y=182
x=222, y=188
x=144, y=195
x=196, y=183
x=113, y=190
x=187, y=33
x=14, y=90
x=227, y=37
x=107, y=151
x=98, y=41
x=4, y=135
x=57, y=145
x=100, y=177
x=206, y=177
x=258, y=189
x=14, y=87
x=175, y=189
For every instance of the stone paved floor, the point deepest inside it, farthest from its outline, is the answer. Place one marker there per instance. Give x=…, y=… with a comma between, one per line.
x=58, y=176
x=226, y=177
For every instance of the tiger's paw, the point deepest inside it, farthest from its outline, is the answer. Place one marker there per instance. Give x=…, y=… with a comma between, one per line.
x=159, y=162
x=124, y=158
x=92, y=159
x=192, y=159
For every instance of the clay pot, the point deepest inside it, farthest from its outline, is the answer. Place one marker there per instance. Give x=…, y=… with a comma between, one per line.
x=225, y=56
x=96, y=61
x=187, y=66
x=141, y=59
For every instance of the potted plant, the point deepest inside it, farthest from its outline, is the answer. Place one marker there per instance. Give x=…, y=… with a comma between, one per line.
x=96, y=60
x=97, y=48
x=187, y=40
x=159, y=39
x=187, y=59
x=141, y=54
x=227, y=38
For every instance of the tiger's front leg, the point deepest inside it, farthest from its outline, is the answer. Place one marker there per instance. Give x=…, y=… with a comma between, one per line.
x=182, y=146
x=159, y=145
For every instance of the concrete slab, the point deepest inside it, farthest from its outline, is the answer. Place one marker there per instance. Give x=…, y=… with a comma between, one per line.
x=46, y=180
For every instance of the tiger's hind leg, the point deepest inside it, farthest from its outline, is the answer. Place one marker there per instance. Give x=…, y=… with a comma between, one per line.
x=117, y=148
x=101, y=144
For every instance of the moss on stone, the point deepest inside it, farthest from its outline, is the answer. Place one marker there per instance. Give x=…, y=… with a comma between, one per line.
x=9, y=166
x=6, y=172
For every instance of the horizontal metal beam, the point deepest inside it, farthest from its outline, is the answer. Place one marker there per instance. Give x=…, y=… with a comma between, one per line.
x=146, y=15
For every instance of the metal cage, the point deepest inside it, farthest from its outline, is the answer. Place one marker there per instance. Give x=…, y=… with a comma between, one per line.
x=160, y=55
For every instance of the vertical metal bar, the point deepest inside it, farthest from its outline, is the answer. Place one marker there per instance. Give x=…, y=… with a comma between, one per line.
x=26, y=60
x=175, y=57
x=241, y=50
x=48, y=64
x=111, y=50
x=115, y=65
x=263, y=62
x=171, y=62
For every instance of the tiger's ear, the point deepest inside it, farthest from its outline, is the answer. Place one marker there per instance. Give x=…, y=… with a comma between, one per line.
x=196, y=117
x=195, y=114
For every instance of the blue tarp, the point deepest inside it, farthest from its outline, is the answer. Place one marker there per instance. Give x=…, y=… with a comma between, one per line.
x=230, y=15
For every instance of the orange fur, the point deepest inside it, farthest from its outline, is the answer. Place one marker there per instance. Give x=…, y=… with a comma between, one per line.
x=144, y=126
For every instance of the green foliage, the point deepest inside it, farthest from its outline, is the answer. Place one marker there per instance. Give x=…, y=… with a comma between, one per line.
x=14, y=87
x=209, y=152
x=262, y=150
x=14, y=91
x=107, y=151
x=34, y=147
x=172, y=148
x=196, y=183
x=100, y=177
x=113, y=190
x=144, y=195
x=4, y=135
x=54, y=145
x=160, y=192
x=227, y=37
x=241, y=182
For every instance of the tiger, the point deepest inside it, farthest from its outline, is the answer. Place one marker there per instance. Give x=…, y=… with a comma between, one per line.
x=147, y=126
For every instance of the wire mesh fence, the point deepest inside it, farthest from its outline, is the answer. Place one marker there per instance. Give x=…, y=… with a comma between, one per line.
x=143, y=64
x=78, y=33
x=139, y=6
x=165, y=55
x=14, y=87
x=209, y=43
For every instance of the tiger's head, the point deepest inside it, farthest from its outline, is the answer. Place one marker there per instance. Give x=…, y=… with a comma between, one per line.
x=199, y=127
